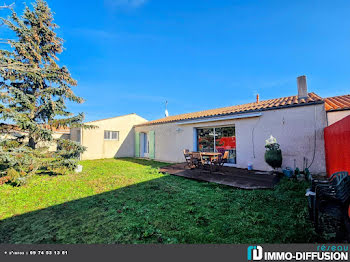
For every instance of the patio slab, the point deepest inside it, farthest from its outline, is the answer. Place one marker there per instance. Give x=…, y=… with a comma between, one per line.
x=230, y=176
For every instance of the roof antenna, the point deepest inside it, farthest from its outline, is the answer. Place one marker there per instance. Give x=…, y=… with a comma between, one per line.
x=166, y=110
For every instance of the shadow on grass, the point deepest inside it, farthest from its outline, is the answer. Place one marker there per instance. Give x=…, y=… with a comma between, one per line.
x=145, y=162
x=166, y=210
x=44, y=172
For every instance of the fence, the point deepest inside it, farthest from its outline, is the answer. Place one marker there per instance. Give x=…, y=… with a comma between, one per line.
x=337, y=146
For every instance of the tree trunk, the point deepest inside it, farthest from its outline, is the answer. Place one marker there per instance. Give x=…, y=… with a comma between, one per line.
x=32, y=142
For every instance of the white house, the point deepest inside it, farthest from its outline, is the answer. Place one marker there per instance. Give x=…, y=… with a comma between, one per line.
x=296, y=121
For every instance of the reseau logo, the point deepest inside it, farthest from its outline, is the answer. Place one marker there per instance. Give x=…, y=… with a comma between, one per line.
x=255, y=253
x=322, y=253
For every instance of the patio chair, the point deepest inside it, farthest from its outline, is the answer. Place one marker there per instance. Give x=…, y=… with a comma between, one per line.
x=224, y=158
x=221, y=160
x=197, y=159
x=188, y=158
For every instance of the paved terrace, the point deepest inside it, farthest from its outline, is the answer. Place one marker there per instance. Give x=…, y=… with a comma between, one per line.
x=230, y=176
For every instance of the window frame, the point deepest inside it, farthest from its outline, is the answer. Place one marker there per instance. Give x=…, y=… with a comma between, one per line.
x=110, y=135
x=214, y=128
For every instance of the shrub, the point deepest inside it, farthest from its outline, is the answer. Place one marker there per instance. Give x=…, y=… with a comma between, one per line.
x=17, y=161
x=273, y=154
x=66, y=158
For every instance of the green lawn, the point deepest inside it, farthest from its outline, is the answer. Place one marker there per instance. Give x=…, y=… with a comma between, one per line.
x=128, y=201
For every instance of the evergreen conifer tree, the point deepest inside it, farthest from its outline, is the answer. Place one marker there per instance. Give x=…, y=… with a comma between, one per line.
x=34, y=86
x=34, y=89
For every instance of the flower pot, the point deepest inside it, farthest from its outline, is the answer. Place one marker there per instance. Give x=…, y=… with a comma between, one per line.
x=79, y=169
x=288, y=172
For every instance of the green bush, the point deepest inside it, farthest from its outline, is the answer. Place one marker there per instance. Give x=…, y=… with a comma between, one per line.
x=66, y=157
x=273, y=154
x=18, y=162
x=274, y=158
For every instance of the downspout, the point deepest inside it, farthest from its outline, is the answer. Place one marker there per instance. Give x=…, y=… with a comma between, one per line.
x=315, y=141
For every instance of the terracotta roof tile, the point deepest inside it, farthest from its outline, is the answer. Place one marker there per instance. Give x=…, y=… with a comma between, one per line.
x=65, y=130
x=250, y=107
x=10, y=127
x=337, y=103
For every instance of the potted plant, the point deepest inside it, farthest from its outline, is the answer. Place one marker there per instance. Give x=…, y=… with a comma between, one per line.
x=273, y=154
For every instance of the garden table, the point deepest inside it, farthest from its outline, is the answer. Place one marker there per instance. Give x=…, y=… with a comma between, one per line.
x=211, y=156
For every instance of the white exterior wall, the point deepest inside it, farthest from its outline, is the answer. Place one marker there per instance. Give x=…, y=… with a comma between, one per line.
x=293, y=127
x=335, y=116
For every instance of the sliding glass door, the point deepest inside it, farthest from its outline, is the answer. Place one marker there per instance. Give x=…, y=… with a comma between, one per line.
x=218, y=139
x=205, y=138
x=225, y=140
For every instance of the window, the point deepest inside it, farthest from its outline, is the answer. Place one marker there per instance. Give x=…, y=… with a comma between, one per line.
x=205, y=139
x=219, y=139
x=111, y=135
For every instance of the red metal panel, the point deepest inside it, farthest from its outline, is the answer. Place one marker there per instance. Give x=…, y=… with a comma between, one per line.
x=337, y=146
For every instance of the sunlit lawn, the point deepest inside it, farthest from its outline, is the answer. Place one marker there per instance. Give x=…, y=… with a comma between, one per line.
x=128, y=201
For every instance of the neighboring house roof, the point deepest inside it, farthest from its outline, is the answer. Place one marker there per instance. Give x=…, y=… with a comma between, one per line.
x=61, y=130
x=64, y=130
x=270, y=104
x=8, y=127
x=13, y=128
x=337, y=103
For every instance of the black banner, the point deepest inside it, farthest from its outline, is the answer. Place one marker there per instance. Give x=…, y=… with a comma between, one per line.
x=236, y=253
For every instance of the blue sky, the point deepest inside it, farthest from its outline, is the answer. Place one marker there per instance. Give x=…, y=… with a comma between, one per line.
x=129, y=56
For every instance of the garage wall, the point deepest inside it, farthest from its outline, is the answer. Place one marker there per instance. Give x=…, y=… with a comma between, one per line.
x=52, y=146
x=295, y=129
x=98, y=147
